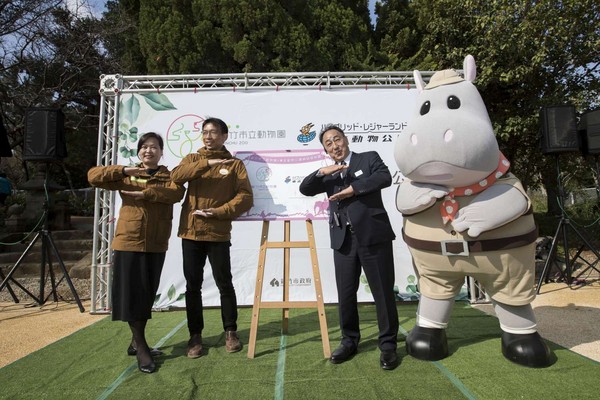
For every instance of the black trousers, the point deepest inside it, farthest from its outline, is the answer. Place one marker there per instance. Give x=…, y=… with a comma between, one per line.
x=378, y=264
x=194, y=259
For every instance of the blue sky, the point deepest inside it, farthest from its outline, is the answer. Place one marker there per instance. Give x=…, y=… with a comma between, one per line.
x=97, y=6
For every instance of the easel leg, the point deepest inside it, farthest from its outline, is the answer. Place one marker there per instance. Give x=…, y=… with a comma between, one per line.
x=318, y=290
x=285, y=312
x=260, y=275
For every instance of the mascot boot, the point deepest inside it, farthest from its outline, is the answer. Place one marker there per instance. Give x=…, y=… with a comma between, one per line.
x=427, y=340
x=521, y=343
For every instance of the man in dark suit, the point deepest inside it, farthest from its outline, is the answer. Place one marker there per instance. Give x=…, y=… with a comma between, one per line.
x=361, y=235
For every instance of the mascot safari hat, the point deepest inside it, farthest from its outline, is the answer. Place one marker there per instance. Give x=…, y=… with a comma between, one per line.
x=445, y=77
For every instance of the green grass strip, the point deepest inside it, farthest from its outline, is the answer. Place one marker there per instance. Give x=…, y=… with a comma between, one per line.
x=455, y=381
x=280, y=374
x=451, y=377
x=111, y=388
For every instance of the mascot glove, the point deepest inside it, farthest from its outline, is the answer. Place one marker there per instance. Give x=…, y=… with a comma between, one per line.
x=413, y=197
x=492, y=208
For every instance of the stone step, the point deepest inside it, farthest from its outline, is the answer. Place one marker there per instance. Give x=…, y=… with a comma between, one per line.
x=33, y=268
x=74, y=248
x=61, y=245
x=35, y=255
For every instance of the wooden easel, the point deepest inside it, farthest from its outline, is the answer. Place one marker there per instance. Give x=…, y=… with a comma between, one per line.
x=286, y=304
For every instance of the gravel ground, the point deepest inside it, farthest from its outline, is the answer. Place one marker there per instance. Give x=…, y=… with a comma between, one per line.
x=82, y=288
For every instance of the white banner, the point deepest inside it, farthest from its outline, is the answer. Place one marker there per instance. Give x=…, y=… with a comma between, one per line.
x=275, y=133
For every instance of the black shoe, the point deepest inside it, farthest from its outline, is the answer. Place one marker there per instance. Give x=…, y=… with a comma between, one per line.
x=342, y=353
x=388, y=359
x=148, y=368
x=132, y=351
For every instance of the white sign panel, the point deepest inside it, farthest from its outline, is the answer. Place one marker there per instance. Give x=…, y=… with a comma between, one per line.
x=275, y=133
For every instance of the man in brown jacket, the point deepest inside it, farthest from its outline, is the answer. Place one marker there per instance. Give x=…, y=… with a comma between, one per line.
x=218, y=192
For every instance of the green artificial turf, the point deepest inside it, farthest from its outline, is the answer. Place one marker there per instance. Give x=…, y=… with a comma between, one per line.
x=92, y=364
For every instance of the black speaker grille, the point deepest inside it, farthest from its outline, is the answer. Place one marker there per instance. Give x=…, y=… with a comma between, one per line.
x=589, y=125
x=44, y=135
x=559, y=130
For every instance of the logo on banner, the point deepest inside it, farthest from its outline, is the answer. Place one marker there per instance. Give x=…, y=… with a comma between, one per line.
x=293, y=282
x=306, y=135
x=184, y=135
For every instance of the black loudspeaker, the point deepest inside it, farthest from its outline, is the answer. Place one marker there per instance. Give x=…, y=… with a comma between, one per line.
x=589, y=130
x=559, y=130
x=44, y=135
x=4, y=145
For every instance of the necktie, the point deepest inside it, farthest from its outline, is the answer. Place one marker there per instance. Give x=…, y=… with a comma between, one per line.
x=343, y=171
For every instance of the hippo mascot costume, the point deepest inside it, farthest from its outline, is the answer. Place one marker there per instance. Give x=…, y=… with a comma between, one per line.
x=465, y=214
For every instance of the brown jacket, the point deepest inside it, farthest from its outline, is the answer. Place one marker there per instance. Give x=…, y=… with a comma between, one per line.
x=226, y=188
x=143, y=225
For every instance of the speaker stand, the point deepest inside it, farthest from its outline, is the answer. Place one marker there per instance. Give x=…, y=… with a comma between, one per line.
x=591, y=265
x=562, y=232
x=48, y=245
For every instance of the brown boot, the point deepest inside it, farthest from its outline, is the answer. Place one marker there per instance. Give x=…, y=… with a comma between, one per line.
x=232, y=342
x=194, y=349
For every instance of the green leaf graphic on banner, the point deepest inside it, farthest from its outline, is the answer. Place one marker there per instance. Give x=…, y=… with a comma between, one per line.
x=124, y=151
x=172, y=292
x=181, y=297
x=158, y=101
x=130, y=109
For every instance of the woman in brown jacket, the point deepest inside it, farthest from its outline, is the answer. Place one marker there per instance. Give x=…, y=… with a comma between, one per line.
x=141, y=238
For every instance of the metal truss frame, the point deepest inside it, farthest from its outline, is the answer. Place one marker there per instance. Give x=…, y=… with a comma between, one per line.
x=113, y=86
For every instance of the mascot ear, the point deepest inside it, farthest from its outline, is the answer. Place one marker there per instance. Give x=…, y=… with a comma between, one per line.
x=419, y=81
x=469, y=68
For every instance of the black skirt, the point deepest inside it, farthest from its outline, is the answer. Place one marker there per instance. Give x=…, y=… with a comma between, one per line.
x=135, y=280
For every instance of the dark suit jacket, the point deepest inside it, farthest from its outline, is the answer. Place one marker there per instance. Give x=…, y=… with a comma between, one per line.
x=365, y=211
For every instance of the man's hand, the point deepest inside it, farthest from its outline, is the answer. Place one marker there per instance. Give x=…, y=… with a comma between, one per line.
x=216, y=161
x=133, y=193
x=206, y=213
x=343, y=194
x=332, y=169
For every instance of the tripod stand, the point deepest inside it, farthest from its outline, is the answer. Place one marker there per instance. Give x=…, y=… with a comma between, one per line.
x=562, y=231
x=47, y=244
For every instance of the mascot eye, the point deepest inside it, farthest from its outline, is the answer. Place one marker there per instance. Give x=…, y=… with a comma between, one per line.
x=453, y=102
x=425, y=107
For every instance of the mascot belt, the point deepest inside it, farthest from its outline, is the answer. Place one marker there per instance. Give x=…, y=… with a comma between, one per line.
x=464, y=247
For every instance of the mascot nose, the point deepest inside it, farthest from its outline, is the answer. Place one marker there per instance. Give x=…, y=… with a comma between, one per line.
x=448, y=135
x=413, y=139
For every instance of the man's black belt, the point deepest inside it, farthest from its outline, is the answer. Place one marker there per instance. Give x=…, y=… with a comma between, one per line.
x=464, y=247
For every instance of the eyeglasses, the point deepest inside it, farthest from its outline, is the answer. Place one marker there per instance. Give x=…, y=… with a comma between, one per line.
x=212, y=132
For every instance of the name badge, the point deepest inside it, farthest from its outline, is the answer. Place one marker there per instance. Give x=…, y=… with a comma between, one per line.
x=358, y=173
x=224, y=171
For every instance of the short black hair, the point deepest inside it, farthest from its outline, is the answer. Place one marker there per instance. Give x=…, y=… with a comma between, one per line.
x=329, y=127
x=218, y=122
x=147, y=136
